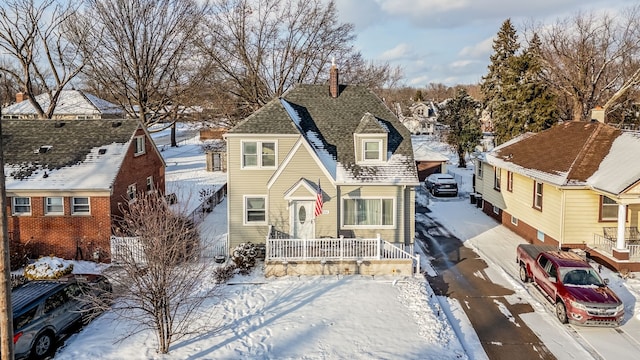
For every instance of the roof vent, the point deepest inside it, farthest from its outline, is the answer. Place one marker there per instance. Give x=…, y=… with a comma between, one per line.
x=116, y=124
x=102, y=151
x=43, y=149
x=58, y=124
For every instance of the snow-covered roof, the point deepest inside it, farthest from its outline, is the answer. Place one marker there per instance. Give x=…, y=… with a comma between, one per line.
x=422, y=151
x=70, y=102
x=77, y=155
x=574, y=154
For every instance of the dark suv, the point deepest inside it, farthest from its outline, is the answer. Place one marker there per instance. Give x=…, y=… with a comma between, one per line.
x=44, y=309
x=441, y=184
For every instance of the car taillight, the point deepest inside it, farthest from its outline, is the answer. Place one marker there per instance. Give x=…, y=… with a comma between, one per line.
x=16, y=337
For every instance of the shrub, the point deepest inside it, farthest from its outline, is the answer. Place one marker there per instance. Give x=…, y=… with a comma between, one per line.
x=222, y=274
x=244, y=257
x=17, y=280
x=19, y=254
x=48, y=267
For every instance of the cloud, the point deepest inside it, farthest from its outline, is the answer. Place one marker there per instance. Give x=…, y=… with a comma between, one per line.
x=361, y=13
x=479, y=50
x=401, y=51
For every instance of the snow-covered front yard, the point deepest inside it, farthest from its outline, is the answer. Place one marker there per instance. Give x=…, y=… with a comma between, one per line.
x=339, y=317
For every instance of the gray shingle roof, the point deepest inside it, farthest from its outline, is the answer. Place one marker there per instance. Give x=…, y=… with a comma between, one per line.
x=332, y=122
x=31, y=146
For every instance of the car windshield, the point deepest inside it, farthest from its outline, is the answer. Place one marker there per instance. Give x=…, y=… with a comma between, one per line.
x=580, y=277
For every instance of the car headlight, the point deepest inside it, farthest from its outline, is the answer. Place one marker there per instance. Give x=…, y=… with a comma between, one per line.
x=619, y=308
x=577, y=305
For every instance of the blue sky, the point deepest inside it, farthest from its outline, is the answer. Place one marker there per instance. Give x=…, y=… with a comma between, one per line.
x=448, y=41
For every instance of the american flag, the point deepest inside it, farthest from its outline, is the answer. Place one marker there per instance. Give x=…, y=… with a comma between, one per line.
x=319, y=202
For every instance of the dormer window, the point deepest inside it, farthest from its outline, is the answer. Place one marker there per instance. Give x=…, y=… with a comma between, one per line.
x=372, y=150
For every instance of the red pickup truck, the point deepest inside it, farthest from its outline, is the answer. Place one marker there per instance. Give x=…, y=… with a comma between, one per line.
x=580, y=295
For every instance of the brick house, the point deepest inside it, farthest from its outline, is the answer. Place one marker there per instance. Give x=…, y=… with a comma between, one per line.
x=66, y=180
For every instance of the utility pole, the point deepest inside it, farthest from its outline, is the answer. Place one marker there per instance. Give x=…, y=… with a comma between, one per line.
x=6, y=312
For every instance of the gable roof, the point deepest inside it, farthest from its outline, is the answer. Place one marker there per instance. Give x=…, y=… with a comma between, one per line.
x=72, y=155
x=70, y=102
x=328, y=125
x=574, y=153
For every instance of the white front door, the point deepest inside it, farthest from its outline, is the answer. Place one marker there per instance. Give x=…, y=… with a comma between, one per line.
x=302, y=219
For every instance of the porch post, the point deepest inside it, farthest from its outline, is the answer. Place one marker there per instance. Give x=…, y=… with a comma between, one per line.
x=379, y=253
x=622, y=215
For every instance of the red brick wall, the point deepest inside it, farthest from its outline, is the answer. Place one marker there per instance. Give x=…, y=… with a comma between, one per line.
x=78, y=236
x=136, y=169
x=67, y=236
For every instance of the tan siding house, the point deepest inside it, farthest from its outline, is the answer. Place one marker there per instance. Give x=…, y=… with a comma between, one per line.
x=582, y=194
x=341, y=140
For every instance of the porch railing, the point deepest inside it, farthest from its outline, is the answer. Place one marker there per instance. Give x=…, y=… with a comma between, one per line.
x=607, y=245
x=336, y=249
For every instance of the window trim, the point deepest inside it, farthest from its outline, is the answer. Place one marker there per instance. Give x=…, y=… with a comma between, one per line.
x=537, y=204
x=479, y=170
x=74, y=206
x=259, y=154
x=245, y=210
x=47, y=205
x=514, y=220
x=13, y=206
x=509, y=181
x=394, y=210
x=497, y=177
x=364, y=150
x=139, y=145
x=132, y=192
x=601, y=210
x=150, y=185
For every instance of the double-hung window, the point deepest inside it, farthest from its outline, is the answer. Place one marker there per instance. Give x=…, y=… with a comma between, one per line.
x=21, y=205
x=372, y=150
x=496, y=178
x=255, y=209
x=608, y=209
x=80, y=206
x=258, y=154
x=359, y=212
x=509, y=181
x=131, y=192
x=149, y=184
x=139, y=145
x=537, y=195
x=53, y=206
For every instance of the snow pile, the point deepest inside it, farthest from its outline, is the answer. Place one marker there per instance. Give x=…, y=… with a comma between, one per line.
x=48, y=267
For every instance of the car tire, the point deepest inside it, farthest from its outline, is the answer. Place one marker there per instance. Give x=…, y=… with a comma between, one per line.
x=43, y=345
x=561, y=312
x=523, y=274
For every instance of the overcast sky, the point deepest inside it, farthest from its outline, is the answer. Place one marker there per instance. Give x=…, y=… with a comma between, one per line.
x=448, y=41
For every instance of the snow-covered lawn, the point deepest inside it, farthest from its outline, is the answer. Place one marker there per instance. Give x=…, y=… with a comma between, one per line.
x=333, y=317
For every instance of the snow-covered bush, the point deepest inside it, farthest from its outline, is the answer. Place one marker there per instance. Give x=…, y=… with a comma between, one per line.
x=244, y=257
x=48, y=267
x=222, y=274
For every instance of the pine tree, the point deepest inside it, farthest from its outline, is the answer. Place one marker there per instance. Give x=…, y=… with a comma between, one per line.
x=461, y=115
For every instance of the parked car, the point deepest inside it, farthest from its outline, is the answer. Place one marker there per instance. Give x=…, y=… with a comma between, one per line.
x=44, y=309
x=578, y=292
x=444, y=184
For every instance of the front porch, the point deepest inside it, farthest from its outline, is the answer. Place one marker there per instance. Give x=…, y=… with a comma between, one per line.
x=606, y=248
x=338, y=256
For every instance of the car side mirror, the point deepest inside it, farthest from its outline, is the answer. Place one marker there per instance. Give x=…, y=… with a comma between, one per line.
x=606, y=281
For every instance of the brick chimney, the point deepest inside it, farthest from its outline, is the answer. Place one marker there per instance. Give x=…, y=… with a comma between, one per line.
x=334, y=88
x=20, y=97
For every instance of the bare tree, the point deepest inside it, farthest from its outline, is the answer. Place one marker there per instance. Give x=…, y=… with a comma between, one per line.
x=34, y=36
x=591, y=59
x=138, y=51
x=158, y=285
x=258, y=49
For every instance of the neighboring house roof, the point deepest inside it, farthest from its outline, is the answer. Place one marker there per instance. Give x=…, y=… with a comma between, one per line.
x=422, y=152
x=328, y=125
x=574, y=153
x=72, y=155
x=70, y=102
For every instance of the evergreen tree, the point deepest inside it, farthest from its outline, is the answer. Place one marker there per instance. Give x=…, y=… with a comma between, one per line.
x=514, y=91
x=461, y=115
